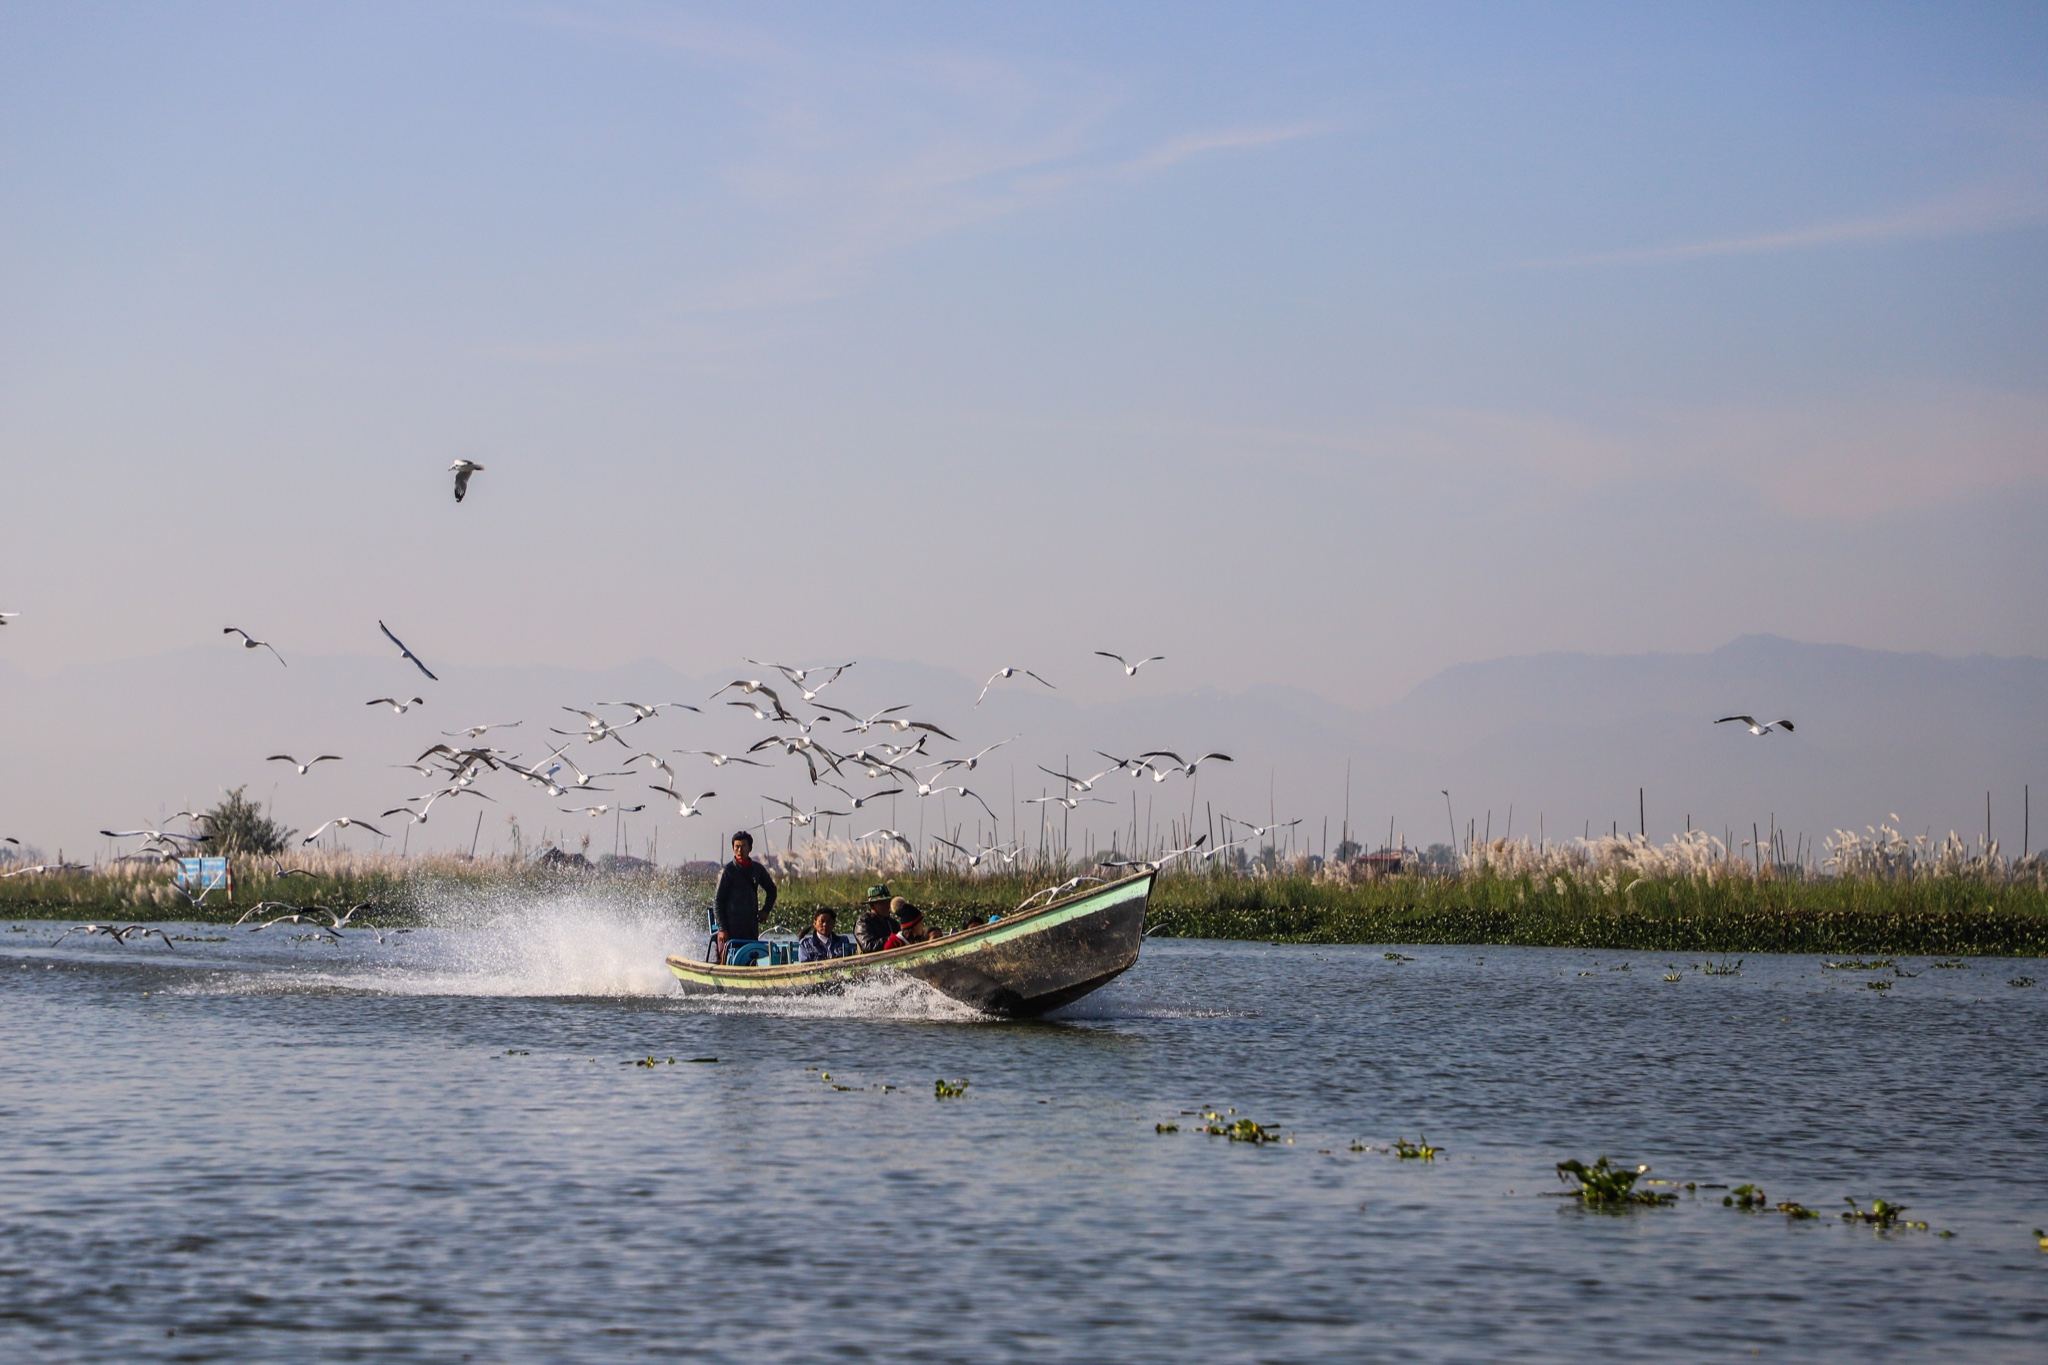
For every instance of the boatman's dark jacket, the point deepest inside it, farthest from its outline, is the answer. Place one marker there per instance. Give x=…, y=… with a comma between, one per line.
x=873, y=928
x=735, y=907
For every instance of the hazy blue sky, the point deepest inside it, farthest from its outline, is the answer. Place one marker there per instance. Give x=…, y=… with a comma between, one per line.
x=1329, y=344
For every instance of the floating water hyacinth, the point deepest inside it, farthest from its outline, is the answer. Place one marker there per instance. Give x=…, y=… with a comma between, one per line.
x=1605, y=1185
x=948, y=1090
x=1244, y=1130
x=1882, y=1214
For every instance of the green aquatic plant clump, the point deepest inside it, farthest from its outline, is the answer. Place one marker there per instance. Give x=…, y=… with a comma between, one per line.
x=1882, y=1215
x=1605, y=1185
x=948, y=1090
x=1242, y=1130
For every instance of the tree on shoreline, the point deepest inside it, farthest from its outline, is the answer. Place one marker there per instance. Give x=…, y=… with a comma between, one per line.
x=236, y=826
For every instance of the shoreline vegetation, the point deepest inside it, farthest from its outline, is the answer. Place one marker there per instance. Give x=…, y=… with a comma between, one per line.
x=1874, y=893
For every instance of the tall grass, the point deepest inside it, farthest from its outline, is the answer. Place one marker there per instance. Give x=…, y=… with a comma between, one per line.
x=1879, y=891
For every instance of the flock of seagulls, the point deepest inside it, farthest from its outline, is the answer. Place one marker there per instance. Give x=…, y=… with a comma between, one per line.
x=787, y=698
x=804, y=729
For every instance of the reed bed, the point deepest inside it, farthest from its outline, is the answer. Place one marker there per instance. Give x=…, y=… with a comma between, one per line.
x=1875, y=892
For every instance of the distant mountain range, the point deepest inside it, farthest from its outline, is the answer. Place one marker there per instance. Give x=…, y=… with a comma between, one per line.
x=1564, y=739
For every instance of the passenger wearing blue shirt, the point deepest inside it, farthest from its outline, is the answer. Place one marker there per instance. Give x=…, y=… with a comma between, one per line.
x=822, y=943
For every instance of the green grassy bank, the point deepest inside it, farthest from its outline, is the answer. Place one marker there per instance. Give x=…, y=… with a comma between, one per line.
x=1949, y=915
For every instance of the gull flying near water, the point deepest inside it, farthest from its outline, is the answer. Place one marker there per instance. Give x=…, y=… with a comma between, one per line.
x=799, y=675
x=1053, y=893
x=156, y=836
x=861, y=727
x=479, y=731
x=1070, y=802
x=969, y=763
x=594, y=811
x=1758, y=729
x=648, y=710
x=343, y=822
x=251, y=642
x=307, y=765
x=1154, y=864
x=720, y=760
x=927, y=789
x=400, y=707
x=1181, y=765
x=462, y=469
x=684, y=808
x=859, y=801
x=119, y=935
x=1131, y=669
x=974, y=859
x=406, y=653
x=1009, y=672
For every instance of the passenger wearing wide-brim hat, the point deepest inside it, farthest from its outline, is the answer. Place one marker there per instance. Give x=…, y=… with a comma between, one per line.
x=875, y=924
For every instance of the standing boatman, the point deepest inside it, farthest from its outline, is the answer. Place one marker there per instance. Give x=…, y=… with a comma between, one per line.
x=735, y=909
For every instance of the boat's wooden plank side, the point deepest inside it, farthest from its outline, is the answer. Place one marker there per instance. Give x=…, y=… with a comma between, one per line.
x=1020, y=964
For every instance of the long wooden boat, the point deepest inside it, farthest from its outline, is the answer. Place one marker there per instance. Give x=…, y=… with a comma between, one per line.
x=1022, y=964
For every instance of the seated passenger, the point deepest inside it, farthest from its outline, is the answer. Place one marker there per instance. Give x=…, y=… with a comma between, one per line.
x=822, y=943
x=875, y=924
x=913, y=927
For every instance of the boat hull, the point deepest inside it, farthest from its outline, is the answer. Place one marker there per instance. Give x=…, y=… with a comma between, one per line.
x=1021, y=965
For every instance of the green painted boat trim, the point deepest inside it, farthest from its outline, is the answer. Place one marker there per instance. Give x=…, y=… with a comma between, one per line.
x=797, y=976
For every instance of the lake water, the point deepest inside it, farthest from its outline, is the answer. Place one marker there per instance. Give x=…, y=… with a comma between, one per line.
x=435, y=1147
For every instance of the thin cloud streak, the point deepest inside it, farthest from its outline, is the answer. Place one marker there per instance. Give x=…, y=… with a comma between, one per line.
x=1991, y=209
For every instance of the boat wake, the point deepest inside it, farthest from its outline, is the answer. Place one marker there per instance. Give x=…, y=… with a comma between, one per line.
x=870, y=997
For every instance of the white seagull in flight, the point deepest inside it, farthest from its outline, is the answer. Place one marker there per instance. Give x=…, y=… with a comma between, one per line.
x=1757, y=729
x=1009, y=672
x=251, y=642
x=404, y=652
x=462, y=469
x=1131, y=669
x=307, y=765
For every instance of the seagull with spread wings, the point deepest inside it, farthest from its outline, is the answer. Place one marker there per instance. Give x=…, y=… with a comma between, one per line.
x=972, y=761
x=719, y=760
x=800, y=675
x=157, y=836
x=398, y=707
x=927, y=789
x=1131, y=669
x=305, y=767
x=479, y=731
x=859, y=801
x=119, y=935
x=684, y=806
x=1181, y=765
x=251, y=642
x=643, y=710
x=343, y=822
x=406, y=653
x=1758, y=729
x=1010, y=671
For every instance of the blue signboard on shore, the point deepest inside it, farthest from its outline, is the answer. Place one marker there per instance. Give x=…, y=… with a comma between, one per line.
x=198, y=876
